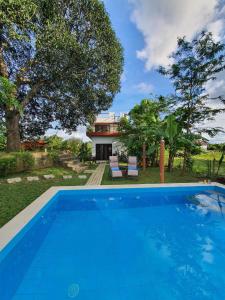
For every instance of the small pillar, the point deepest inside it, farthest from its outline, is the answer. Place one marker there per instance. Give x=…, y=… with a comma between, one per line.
x=161, y=161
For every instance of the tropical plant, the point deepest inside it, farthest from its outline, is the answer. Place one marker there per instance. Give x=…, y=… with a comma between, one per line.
x=195, y=63
x=85, y=152
x=141, y=131
x=63, y=62
x=172, y=133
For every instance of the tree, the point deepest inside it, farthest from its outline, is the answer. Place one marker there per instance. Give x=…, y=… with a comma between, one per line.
x=63, y=59
x=195, y=63
x=141, y=131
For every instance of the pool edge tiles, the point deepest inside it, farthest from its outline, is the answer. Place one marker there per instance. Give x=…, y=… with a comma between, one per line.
x=11, y=229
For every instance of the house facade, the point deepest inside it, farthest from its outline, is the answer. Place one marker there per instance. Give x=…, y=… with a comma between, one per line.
x=104, y=135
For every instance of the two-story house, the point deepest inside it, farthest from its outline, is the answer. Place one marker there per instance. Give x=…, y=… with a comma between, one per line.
x=104, y=135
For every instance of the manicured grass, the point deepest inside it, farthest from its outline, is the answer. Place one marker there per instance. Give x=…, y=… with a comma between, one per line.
x=150, y=175
x=56, y=171
x=15, y=197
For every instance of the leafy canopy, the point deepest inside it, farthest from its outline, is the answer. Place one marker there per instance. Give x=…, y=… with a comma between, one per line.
x=64, y=59
x=195, y=63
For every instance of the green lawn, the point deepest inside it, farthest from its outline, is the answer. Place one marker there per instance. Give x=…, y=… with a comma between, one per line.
x=151, y=175
x=15, y=197
x=57, y=171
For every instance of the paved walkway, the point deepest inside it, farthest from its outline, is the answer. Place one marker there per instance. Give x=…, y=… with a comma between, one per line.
x=96, y=177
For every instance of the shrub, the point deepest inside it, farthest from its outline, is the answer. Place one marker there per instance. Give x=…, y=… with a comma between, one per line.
x=54, y=142
x=16, y=162
x=73, y=145
x=7, y=165
x=54, y=155
x=26, y=159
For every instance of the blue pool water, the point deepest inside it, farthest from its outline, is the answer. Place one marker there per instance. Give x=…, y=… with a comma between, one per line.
x=127, y=244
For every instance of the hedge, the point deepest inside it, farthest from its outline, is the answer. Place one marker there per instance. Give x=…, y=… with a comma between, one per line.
x=16, y=162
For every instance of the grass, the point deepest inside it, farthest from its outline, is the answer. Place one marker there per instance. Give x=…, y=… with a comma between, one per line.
x=200, y=163
x=56, y=171
x=15, y=197
x=150, y=175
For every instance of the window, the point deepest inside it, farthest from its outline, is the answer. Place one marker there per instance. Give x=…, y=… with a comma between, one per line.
x=102, y=128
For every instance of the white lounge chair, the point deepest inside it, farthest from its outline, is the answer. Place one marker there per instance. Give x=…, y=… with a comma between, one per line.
x=132, y=166
x=114, y=167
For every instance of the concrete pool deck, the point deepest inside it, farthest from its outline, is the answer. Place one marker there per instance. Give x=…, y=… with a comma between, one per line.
x=15, y=225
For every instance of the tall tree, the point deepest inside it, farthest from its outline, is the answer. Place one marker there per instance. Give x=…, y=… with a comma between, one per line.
x=64, y=60
x=195, y=63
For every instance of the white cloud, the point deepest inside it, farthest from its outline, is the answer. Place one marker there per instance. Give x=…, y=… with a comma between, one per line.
x=144, y=88
x=80, y=133
x=162, y=21
x=216, y=28
x=216, y=87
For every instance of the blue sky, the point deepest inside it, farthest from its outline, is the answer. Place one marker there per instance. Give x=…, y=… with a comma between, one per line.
x=137, y=83
x=148, y=31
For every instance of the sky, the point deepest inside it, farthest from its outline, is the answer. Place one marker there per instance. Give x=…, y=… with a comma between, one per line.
x=148, y=31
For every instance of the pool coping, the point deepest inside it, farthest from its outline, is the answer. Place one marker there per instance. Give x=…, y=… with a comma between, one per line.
x=17, y=223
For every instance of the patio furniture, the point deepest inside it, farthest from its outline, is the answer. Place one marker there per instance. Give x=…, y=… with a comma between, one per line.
x=132, y=166
x=114, y=167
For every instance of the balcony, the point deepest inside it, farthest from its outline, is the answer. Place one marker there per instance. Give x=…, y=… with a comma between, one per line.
x=107, y=130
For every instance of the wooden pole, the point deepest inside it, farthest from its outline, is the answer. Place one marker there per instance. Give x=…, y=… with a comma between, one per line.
x=161, y=161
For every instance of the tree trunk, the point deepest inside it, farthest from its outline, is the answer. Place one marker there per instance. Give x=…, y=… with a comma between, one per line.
x=186, y=160
x=144, y=156
x=12, y=130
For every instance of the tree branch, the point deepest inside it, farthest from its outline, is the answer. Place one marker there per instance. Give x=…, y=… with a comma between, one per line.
x=32, y=92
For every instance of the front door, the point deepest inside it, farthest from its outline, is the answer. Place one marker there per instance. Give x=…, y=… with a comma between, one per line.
x=103, y=151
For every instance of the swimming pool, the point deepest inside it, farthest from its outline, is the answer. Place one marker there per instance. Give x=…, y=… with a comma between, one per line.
x=127, y=243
